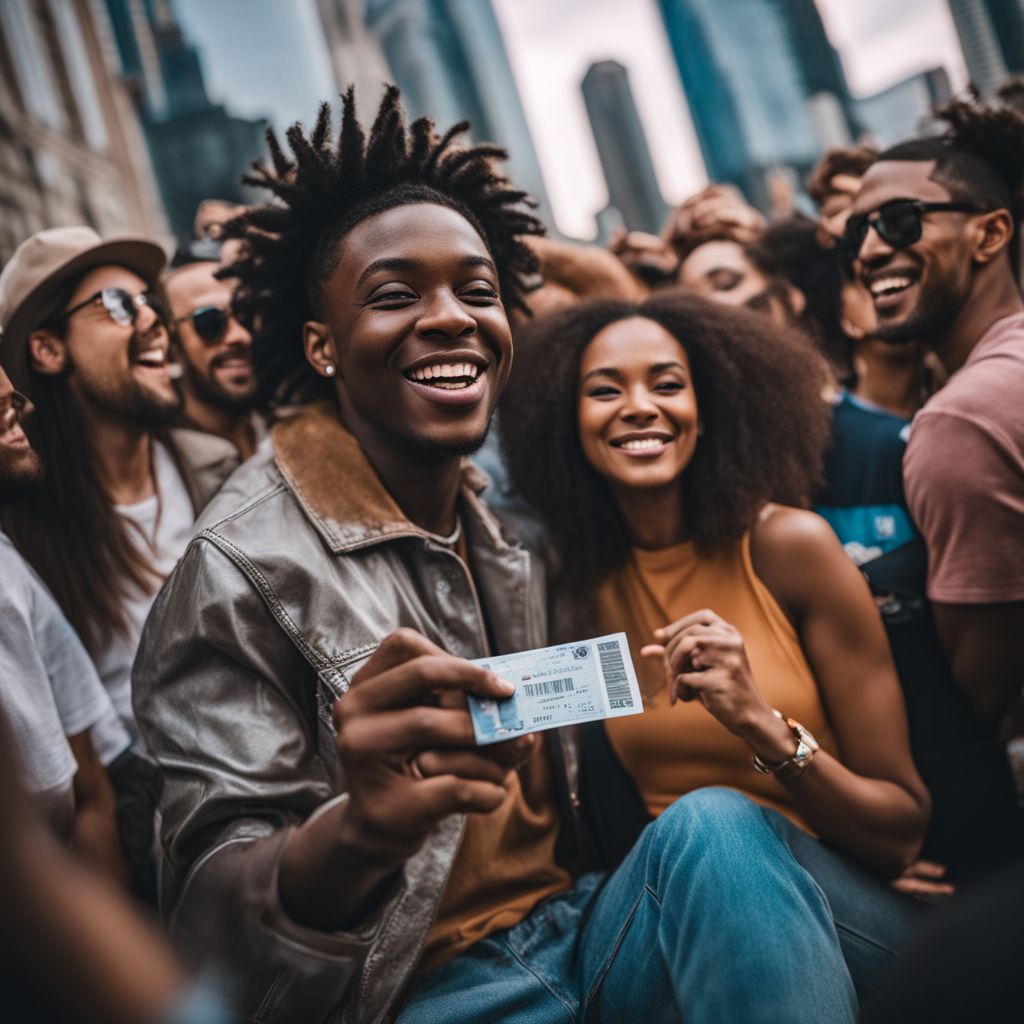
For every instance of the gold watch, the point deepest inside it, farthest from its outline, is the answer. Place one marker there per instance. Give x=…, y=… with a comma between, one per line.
x=806, y=748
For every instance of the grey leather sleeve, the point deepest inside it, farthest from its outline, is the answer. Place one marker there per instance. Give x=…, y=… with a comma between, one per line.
x=227, y=707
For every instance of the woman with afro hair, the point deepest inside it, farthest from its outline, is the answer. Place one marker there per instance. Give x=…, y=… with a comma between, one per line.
x=667, y=446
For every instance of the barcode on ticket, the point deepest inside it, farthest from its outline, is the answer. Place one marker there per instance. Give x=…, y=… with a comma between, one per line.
x=558, y=686
x=616, y=682
x=548, y=687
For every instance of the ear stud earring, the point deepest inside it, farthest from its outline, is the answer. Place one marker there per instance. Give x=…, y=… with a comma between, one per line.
x=329, y=370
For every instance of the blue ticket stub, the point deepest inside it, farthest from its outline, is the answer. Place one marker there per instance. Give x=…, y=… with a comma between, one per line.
x=555, y=686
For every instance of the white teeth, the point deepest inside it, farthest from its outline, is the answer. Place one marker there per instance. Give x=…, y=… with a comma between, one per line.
x=642, y=444
x=458, y=372
x=884, y=285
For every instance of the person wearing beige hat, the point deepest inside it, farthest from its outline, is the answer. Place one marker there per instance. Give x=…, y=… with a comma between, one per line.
x=86, y=338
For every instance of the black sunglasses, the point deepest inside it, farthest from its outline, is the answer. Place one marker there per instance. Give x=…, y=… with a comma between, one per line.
x=209, y=322
x=122, y=307
x=14, y=408
x=898, y=223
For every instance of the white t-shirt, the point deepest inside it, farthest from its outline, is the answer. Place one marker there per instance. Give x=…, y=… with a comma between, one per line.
x=48, y=686
x=162, y=527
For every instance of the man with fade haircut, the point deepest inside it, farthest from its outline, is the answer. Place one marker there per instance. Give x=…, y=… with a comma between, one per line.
x=932, y=236
x=302, y=677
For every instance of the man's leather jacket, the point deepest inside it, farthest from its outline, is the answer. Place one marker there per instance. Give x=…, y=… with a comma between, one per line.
x=298, y=569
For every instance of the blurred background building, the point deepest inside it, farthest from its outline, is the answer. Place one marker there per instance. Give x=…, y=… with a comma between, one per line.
x=71, y=147
x=126, y=114
x=197, y=148
x=449, y=59
x=634, y=199
x=745, y=81
x=992, y=37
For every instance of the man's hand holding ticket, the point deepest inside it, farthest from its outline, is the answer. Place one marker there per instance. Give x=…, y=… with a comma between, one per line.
x=555, y=686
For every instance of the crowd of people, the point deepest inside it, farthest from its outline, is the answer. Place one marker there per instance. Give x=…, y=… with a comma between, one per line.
x=264, y=508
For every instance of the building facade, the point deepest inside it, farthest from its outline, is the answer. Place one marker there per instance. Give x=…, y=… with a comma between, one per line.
x=71, y=147
x=198, y=149
x=356, y=59
x=622, y=147
x=449, y=59
x=903, y=110
x=986, y=65
x=745, y=90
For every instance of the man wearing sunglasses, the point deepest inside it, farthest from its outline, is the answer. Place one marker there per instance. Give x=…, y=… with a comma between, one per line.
x=213, y=348
x=86, y=339
x=932, y=238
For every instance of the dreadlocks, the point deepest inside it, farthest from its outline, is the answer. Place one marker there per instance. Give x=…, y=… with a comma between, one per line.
x=325, y=187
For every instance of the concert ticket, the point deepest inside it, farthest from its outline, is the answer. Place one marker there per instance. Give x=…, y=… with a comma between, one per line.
x=555, y=686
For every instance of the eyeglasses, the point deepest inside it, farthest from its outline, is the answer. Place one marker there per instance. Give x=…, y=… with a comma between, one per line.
x=209, y=322
x=898, y=223
x=122, y=307
x=14, y=408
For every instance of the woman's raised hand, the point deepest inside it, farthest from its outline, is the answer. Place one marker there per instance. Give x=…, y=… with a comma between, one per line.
x=705, y=660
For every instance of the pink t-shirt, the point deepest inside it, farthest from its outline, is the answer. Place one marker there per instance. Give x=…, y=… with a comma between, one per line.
x=964, y=474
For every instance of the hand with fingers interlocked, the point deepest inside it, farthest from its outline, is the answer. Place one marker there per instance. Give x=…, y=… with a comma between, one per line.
x=705, y=660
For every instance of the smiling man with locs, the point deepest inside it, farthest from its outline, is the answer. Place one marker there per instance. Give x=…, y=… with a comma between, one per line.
x=302, y=676
x=932, y=233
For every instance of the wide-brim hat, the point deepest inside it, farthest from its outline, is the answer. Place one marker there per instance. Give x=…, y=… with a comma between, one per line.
x=42, y=265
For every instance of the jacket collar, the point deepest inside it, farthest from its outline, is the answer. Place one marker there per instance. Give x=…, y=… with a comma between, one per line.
x=340, y=492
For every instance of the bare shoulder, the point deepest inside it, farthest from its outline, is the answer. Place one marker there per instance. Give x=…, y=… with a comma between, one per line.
x=793, y=552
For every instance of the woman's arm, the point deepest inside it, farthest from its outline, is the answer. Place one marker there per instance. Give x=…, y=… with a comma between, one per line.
x=872, y=802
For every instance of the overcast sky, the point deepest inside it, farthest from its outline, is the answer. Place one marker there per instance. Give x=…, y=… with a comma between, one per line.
x=553, y=42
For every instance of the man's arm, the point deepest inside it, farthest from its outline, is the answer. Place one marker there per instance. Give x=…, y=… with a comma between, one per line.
x=965, y=497
x=985, y=647
x=95, y=834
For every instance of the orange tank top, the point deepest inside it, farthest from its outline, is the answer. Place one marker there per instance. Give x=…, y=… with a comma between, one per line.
x=671, y=750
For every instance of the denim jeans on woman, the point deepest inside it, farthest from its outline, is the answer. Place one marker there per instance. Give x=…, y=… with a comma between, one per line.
x=710, y=918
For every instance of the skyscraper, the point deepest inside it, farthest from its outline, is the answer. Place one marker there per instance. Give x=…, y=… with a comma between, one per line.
x=198, y=149
x=355, y=56
x=621, y=145
x=449, y=60
x=818, y=63
x=986, y=64
x=1007, y=17
x=745, y=89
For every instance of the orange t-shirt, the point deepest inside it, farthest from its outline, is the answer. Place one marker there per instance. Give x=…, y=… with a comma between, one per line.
x=671, y=750
x=506, y=862
x=504, y=867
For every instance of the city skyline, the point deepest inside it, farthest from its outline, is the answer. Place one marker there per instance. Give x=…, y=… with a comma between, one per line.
x=550, y=48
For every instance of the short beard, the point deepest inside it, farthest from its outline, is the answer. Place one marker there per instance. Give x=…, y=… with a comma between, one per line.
x=209, y=392
x=132, y=402
x=20, y=471
x=927, y=322
x=435, y=451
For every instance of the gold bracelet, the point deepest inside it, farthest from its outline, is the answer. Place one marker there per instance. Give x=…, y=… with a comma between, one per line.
x=806, y=748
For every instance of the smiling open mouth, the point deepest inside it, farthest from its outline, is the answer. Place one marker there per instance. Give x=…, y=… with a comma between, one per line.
x=446, y=376
x=155, y=359
x=642, y=444
x=890, y=285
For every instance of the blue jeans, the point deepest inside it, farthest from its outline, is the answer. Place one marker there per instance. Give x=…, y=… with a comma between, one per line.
x=709, y=917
